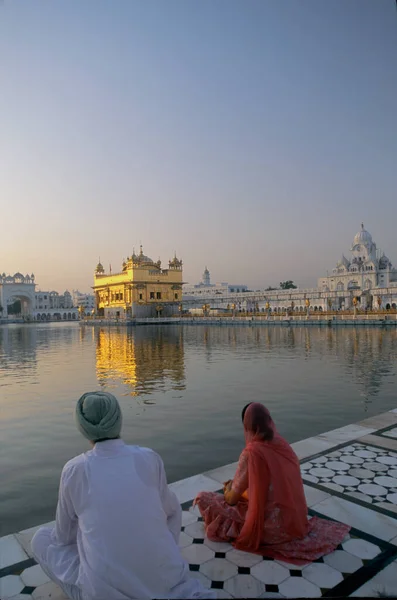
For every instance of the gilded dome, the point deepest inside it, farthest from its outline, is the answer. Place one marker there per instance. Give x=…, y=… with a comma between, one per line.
x=362, y=237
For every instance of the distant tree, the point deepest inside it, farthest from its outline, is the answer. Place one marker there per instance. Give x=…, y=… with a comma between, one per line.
x=288, y=285
x=270, y=288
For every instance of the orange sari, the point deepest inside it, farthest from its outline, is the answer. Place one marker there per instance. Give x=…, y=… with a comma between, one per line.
x=271, y=516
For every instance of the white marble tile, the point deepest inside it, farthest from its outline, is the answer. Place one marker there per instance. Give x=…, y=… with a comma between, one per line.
x=379, y=421
x=393, y=410
x=346, y=434
x=322, y=575
x=271, y=595
x=197, y=554
x=184, y=540
x=384, y=582
x=361, y=548
x=360, y=517
x=394, y=541
x=222, y=474
x=343, y=561
x=10, y=585
x=188, y=518
x=386, y=481
x=187, y=489
x=298, y=587
x=201, y=578
x=11, y=552
x=244, y=559
x=196, y=530
x=270, y=572
x=34, y=576
x=314, y=496
x=223, y=594
x=244, y=586
x=21, y=597
x=25, y=537
x=49, y=591
x=219, y=569
x=218, y=546
x=311, y=446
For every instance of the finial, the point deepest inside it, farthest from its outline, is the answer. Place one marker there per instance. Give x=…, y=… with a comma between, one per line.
x=362, y=225
x=141, y=250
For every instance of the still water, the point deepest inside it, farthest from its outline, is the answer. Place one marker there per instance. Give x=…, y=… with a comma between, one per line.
x=181, y=389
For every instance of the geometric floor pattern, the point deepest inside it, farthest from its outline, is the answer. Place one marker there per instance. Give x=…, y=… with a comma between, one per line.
x=236, y=574
x=360, y=471
x=349, y=474
x=239, y=574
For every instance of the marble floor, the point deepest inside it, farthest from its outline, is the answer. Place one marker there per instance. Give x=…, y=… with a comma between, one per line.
x=349, y=474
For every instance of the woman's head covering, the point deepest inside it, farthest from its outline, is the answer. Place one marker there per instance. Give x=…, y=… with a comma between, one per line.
x=98, y=416
x=258, y=424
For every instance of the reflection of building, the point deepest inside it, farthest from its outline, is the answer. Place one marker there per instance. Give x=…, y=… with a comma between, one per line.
x=141, y=289
x=206, y=288
x=141, y=360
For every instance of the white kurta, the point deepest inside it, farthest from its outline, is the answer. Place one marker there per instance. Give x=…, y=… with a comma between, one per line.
x=117, y=528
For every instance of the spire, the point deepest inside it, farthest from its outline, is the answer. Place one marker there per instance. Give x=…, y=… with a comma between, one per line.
x=362, y=226
x=141, y=250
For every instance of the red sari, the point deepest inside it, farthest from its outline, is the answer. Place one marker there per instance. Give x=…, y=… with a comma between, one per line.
x=271, y=516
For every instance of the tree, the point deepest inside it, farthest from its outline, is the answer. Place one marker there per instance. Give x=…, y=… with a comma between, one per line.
x=288, y=285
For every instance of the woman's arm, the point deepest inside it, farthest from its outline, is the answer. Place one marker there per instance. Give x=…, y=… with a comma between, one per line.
x=233, y=490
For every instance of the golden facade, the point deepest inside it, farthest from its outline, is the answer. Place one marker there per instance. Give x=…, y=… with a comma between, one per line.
x=141, y=289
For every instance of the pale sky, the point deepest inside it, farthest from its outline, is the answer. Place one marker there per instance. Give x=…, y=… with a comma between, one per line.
x=251, y=136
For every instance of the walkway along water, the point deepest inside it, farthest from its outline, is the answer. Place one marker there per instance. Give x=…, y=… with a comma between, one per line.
x=350, y=475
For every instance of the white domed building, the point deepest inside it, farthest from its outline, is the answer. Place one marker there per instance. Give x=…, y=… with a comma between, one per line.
x=366, y=274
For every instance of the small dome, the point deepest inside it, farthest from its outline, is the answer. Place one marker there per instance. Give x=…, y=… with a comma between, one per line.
x=18, y=276
x=99, y=267
x=362, y=237
x=142, y=258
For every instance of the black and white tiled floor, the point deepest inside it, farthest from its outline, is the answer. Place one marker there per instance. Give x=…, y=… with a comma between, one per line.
x=346, y=478
x=361, y=471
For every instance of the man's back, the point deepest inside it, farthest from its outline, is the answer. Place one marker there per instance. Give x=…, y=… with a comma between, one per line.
x=125, y=545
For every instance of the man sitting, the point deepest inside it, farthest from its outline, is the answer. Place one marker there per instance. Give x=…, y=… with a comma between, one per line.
x=117, y=523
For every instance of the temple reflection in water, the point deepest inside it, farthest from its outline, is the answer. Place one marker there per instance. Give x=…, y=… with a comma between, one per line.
x=144, y=359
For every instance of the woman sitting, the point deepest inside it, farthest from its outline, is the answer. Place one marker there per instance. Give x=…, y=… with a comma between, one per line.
x=263, y=510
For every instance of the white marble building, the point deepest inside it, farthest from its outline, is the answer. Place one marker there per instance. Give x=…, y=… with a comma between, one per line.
x=83, y=302
x=206, y=289
x=367, y=275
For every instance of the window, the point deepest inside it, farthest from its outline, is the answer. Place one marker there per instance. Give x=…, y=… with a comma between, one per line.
x=158, y=295
x=152, y=295
x=121, y=296
x=45, y=297
x=176, y=296
x=140, y=296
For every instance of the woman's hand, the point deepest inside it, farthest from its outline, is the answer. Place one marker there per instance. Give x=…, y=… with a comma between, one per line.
x=227, y=485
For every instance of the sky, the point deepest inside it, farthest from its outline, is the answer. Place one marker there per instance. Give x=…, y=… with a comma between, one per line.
x=251, y=136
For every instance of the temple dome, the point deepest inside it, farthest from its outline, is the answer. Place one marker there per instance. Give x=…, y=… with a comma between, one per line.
x=363, y=237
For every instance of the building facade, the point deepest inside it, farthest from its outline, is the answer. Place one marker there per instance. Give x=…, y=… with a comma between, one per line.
x=52, y=306
x=141, y=289
x=85, y=303
x=206, y=289
x=367, y=276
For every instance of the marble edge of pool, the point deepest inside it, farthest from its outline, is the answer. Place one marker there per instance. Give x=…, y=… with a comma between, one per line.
x=186, y=489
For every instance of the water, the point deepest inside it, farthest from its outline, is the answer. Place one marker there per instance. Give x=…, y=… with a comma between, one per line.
x=181, y=390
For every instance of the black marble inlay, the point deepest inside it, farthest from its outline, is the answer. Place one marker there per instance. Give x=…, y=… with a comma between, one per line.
x=194, y=567
x=18, y=567
x=28, y=589
x=267, y=558
x=244, y=570
x=183, y=528
x=220, y=554
x=217, y=585
x=271, y=588
x=295, y=573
